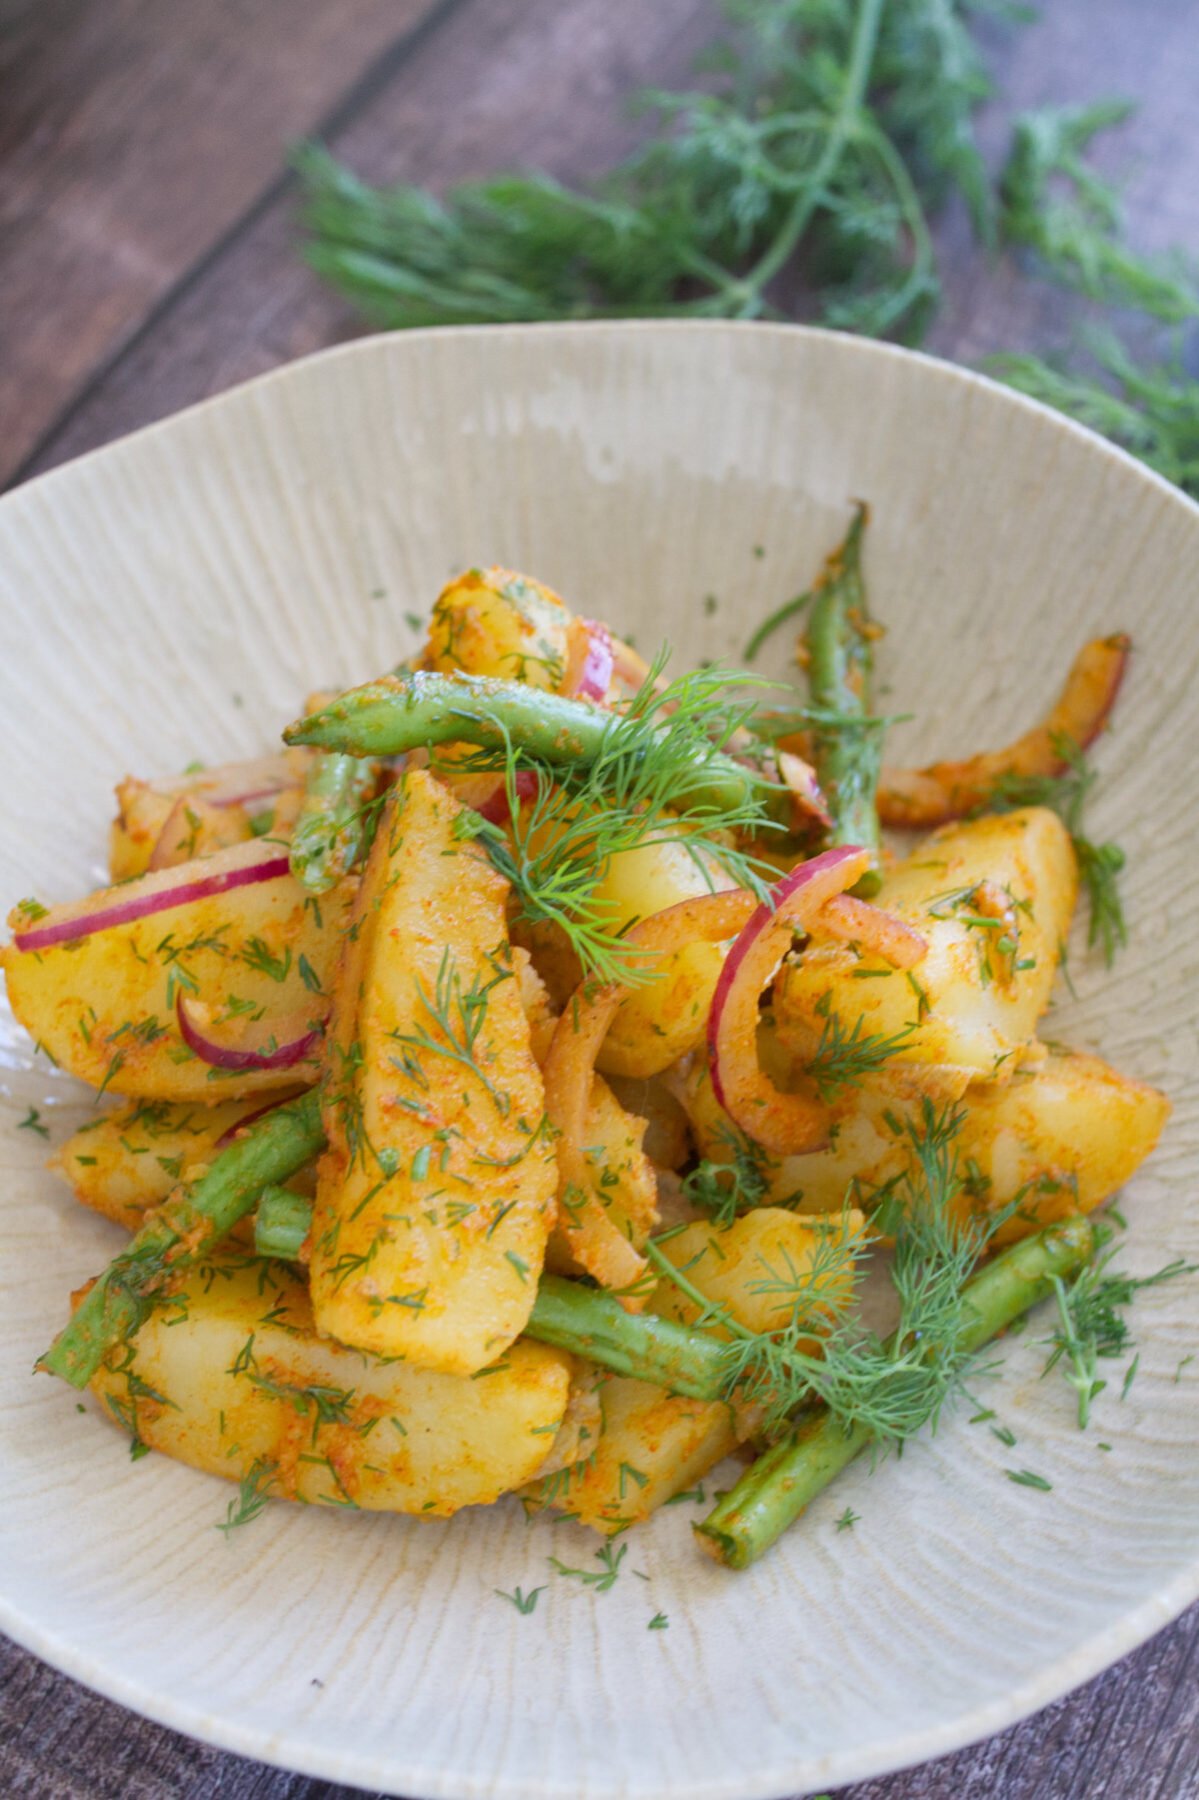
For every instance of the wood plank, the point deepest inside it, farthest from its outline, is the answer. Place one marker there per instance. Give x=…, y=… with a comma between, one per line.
x=504, y=83
x=133, y=136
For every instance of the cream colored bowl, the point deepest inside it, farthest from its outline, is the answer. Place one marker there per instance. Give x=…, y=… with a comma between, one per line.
x=170, y=598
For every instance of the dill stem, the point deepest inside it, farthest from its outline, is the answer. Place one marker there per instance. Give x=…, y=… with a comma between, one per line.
x=181, y=1232
x=404, y=712
x=842, y=128
x=772, y=1493
x=329, y=833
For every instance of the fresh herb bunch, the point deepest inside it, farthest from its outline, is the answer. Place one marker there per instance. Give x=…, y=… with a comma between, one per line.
x=833, y=132
x=833, y=129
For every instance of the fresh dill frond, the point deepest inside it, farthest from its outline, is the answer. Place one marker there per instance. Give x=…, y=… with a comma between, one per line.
x=524, y=1603
x=1099, y=865
x=1058, y=207
x=725, y=1190
x=253, y=1492
x=1150, y=409
x=600, y=1579
x=1091, y=1324
x=844, y=1058
x=648, y=784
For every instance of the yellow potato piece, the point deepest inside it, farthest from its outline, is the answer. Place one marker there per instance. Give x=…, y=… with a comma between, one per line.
x=667, y=1017
x=994, y=898
x=232, y=1378
x=499, y=622
x=104, y=1006
x=749, y=1266
x=653, y=1445
x=1064, y=1137
x=436, y=1195
x=128, y=1160
x=268, y=785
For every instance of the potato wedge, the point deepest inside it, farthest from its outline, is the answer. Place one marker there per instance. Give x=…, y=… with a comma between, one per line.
x=748, y=1266
x=256, y=957
x=652, y=1446
x=499, y=622
x=232, y=1378
x=126, y=1161
x=993, y=898
x=666, y=1018
x=437, y=1193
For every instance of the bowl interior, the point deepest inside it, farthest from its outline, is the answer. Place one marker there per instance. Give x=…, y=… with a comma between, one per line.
x=170, y=598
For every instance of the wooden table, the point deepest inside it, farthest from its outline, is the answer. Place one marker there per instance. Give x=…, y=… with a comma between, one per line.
x=147, y=258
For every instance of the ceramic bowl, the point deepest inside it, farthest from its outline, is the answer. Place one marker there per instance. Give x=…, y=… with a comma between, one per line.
x=170, y=597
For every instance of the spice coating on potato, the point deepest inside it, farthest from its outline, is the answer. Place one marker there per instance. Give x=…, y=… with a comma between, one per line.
x=499, y=622
x=232, y=1378
x=993, y=898
x=436, y=1195
x=653, y=1445
x=246, y=961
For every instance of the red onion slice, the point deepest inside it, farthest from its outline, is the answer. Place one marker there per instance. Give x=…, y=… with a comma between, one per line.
x=800, y=777
x=497, y=808
x=224, y=1056
x=789, y=1124
x=592, y=662
x=242, y=866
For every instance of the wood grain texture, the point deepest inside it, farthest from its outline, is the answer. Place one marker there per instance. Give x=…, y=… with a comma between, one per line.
x=133, y=137
x=504, y=83
x=118, y=297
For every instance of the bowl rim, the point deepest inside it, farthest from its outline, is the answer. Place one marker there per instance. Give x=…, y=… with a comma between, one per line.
x=1098, y=1653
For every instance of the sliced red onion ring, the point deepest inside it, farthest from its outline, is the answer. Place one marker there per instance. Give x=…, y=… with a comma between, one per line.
x=800, y=777
x=242, y=866
x=224, y=1056
x=785, y=1123
x=590, y=675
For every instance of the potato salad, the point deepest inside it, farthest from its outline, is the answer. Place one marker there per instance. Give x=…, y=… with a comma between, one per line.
x=507, y=1080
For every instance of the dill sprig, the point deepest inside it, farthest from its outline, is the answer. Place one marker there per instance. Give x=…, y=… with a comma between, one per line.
x=844, y=1058
x=1099, y=865
x=648, y=783
x=1059, y=208
x=1091, y=1325
x=725, y=1190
